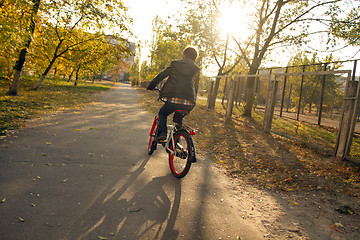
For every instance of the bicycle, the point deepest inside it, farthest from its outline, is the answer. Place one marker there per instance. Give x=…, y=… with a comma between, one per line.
x=179, y=144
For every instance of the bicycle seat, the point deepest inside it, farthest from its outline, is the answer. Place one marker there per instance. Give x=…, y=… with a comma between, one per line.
x=178, y=116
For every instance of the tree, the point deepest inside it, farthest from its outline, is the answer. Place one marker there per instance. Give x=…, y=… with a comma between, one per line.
x=66, y=30
x=135, y=71
x=313, y=83
x=166, y=47
x=13, y=19
x=273, y=24
x=346, y=24
x=13, y=90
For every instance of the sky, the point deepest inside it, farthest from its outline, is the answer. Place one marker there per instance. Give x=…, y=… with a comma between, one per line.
x=144, y=11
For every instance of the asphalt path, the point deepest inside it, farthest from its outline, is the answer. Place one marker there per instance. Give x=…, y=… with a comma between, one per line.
x=86, y=174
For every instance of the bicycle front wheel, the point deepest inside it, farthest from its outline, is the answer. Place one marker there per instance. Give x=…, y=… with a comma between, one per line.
x=180, y=154
x=152, y=144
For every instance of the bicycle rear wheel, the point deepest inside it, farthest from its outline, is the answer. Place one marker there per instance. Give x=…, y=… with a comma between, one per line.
x=180, y=160
x=152, y=144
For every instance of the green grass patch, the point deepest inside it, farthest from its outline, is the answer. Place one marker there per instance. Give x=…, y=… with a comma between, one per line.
x=52, y=96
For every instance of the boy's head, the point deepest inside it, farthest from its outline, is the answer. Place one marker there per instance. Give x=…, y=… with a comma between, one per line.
x=190, y=52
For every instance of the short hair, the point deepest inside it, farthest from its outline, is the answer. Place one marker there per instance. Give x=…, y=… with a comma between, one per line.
x=190, y=52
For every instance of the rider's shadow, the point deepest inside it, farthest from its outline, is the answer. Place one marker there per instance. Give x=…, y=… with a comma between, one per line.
x=151, y=214
x=148, y=214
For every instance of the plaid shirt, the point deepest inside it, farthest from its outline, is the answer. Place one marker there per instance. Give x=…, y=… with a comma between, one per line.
x=179, y=101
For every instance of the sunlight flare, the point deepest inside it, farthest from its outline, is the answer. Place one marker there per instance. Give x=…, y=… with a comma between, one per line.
x=233, y=19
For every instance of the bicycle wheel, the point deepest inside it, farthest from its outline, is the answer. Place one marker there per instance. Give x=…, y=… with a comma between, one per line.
x=152, y=144
x=180, y=161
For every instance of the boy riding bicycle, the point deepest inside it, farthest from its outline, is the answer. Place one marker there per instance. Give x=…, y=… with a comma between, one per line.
x=179, y=90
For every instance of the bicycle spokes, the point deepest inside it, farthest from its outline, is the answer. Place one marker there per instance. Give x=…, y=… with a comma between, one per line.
x=179, y=156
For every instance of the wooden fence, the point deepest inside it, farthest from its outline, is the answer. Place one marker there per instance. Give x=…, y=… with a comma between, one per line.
x=234, y=90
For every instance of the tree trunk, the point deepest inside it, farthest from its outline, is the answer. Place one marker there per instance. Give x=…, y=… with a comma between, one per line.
x=214, y=93
x=215, y=90
x=250, y=88
x=250, y=95
x=13, y=90
x=77, y=76
x=42, y=77
x=70, y=76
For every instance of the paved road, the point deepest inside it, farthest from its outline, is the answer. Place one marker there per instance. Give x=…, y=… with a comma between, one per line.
x=85, y=174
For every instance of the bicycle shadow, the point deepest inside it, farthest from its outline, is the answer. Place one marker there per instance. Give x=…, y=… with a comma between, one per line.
x=149, y=213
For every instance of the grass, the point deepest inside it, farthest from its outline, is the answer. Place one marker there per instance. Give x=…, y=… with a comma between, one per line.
x=52, y=96
x=266, y=160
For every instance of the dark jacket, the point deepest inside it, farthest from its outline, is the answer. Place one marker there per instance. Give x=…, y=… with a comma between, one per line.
x=183, y=80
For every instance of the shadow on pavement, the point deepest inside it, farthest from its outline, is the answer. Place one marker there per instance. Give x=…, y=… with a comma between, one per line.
x=149, y=213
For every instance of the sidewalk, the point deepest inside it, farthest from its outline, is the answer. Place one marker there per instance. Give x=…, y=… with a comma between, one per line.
x=86, y=174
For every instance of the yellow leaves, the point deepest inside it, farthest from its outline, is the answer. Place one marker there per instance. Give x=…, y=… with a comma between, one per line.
x=21, y=219
x=3, y=200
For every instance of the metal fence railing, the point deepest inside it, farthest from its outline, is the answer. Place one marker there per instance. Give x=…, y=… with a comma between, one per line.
x=309, y=100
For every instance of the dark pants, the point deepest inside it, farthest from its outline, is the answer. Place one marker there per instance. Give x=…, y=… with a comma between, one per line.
x=167, y=109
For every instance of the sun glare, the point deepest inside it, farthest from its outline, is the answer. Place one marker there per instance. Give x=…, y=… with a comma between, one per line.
x=233, y=18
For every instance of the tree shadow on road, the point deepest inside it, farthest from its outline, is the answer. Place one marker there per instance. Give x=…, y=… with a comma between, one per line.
x=149, y=213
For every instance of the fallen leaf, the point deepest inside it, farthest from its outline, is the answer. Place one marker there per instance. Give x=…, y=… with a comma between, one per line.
x=21, y=219
x=33, y=205
x=102, y=238
x=339, y=225
x=44, y=154
x=64, y=180
x=3, y=200
x=48, y=143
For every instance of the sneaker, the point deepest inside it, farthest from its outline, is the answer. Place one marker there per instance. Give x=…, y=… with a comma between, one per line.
x=160, y=138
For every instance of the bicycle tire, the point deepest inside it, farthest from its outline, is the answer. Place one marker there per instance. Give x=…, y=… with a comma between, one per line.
x=152, y=144
x=180, y=162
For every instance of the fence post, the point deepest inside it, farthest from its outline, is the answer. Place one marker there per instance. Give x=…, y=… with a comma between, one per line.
x=224, y=92
x=214, y=92
x=300, y=97
x=322, y=95
x=230, y=100
x=289, y=98
x=270, y=106
x=242, y=84
x=348, y=119
x=210, y=93
x=283, y=93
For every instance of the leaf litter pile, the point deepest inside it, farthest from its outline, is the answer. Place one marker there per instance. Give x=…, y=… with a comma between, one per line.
x=264, y=160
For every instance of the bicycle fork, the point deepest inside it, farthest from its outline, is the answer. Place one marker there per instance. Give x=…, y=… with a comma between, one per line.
x=179, y=149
